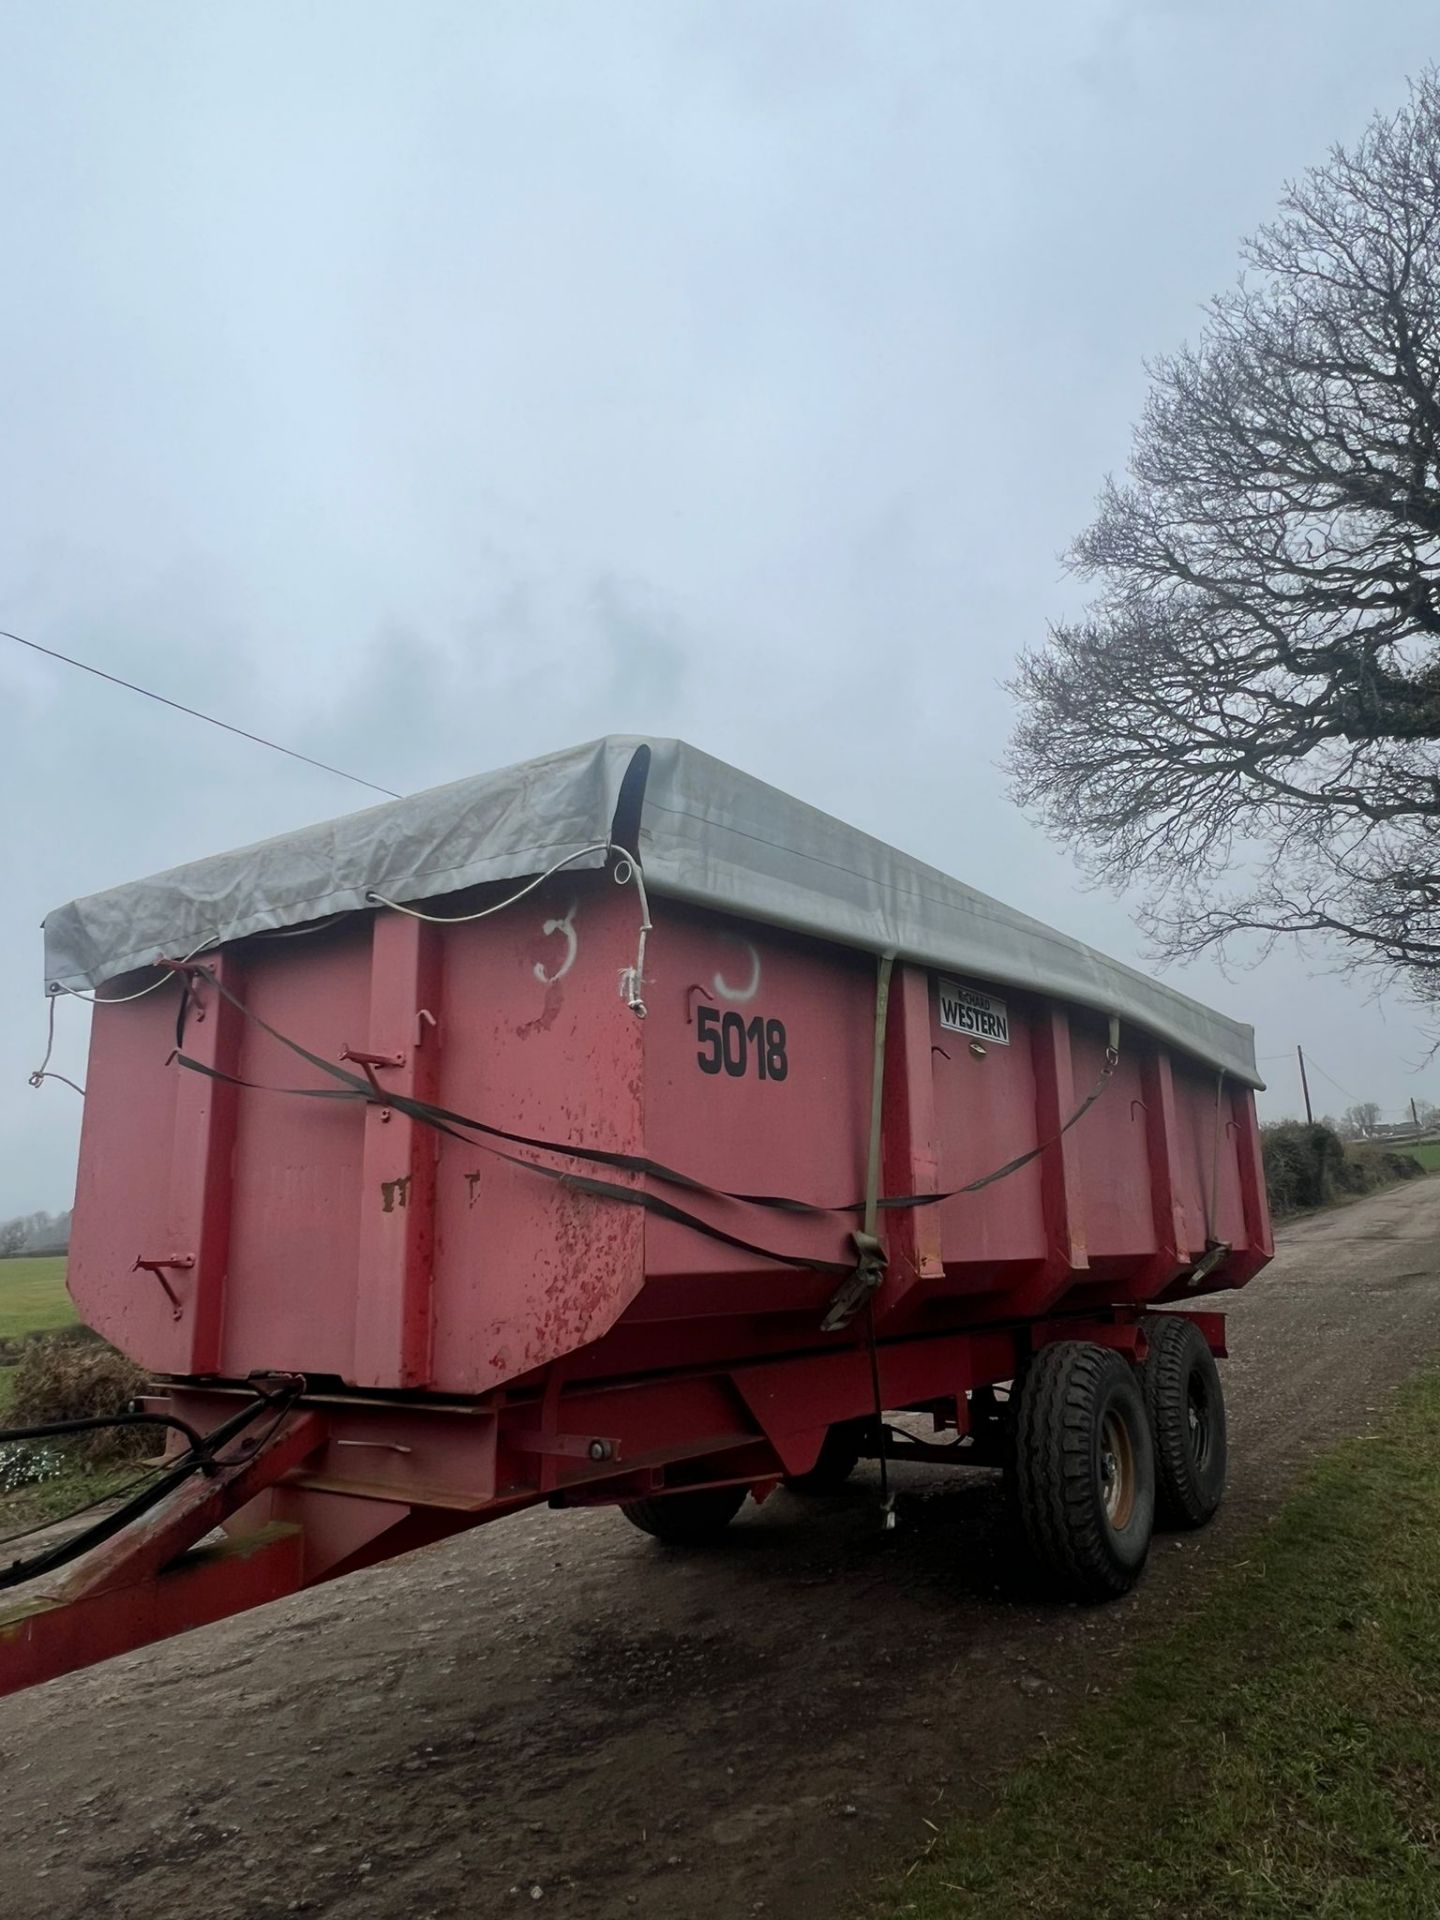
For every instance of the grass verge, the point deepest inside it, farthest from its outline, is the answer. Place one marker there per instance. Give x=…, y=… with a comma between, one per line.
x=1276, y=1754
x=33, y=1297
x=71, y=1491
x=53, y=1379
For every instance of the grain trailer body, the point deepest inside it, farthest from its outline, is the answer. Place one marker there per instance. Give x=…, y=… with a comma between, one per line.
x=429, y=1189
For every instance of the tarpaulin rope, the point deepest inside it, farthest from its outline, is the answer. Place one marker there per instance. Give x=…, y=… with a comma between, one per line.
x=42, y=1073
x=626, y=871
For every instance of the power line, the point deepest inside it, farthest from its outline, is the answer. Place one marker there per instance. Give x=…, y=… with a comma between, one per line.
x=195, y=714
x=1333, y=1081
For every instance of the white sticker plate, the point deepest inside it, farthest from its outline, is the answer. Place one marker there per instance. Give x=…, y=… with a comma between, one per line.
x=967, y=1010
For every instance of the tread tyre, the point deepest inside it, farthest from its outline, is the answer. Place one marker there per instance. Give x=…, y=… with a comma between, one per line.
x=839, y=1456
x=1185, y=1405
x=692, y=1519
x=1084, y=1470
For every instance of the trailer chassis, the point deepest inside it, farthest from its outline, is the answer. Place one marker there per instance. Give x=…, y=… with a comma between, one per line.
x=329, y=1481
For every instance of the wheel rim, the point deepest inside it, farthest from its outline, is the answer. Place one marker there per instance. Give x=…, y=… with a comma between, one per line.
x=1198, y=1424
x=1117, y=1469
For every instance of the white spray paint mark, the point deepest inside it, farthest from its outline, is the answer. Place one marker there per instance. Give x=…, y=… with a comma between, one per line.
x=572, y=947
x=752, y=985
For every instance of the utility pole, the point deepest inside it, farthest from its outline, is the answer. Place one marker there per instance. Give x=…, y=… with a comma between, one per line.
x=1305, y=1085
x=1414, y=1116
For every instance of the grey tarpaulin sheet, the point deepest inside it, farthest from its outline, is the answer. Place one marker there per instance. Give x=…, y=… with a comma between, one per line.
x=707, y=834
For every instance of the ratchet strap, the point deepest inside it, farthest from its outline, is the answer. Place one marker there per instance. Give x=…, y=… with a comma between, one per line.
x=462, y=1126
x=858, y=1289
x=861, y=1286
x=1215, y=1248
x=352, y=1086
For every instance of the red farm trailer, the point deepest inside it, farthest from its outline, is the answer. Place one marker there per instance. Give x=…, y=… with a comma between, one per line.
x=616, y=1129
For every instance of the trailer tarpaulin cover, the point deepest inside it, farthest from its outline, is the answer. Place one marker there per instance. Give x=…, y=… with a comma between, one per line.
x=707, y=833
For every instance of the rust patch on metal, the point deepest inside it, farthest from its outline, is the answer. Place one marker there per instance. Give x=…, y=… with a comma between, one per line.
x=395, y=1193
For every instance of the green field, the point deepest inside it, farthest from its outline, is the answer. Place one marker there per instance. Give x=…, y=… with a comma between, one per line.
x=33, y=1297
x=1427, y=1152
x=1277, y=1753
x=33, y=1300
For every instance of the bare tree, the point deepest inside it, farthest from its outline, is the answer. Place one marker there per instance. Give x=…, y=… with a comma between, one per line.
x=1360, y=1121
x=1255, y=689
x=12, y=1238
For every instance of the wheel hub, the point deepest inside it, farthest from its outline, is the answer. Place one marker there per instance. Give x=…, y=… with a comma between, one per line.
x=1117, y=1470
x=1197, y=1421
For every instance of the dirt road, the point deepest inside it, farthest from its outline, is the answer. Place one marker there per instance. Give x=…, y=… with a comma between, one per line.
x=553, y=1714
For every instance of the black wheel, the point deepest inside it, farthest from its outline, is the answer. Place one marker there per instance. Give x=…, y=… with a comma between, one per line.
x=1186, y=1410
x=838, y=1459
x=1084, y=1470
x=689, y=1519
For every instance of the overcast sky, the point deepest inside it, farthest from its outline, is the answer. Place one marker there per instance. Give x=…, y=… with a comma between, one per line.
x=430, y=385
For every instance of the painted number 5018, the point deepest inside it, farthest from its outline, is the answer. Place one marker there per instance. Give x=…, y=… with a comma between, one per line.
x=729, y=1045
